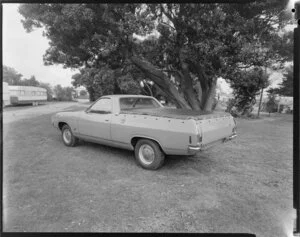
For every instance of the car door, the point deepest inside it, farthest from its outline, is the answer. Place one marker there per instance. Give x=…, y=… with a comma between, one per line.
x=95, y=122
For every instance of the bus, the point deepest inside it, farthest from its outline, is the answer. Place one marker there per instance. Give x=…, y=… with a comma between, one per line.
x=26, y=95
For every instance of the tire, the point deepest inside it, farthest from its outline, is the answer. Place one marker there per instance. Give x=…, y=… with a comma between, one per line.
x=67, y=136
x=148, y=154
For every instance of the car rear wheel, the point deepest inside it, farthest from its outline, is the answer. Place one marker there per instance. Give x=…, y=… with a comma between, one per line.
x=148, y=154
x=68, y=138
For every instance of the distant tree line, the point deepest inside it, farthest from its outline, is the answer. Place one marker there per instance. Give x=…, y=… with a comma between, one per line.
x=63, y=93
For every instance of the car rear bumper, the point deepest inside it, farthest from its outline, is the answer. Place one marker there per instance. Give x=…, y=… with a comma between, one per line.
x=194, y=149
x=230, y=138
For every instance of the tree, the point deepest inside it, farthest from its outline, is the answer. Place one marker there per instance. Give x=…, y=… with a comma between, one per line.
x=197, y=43
x=271, y=104
x=286, y=87
x=48, y=88
x=63, y=93
x=83, y=93
x=11, y=76
x=105, y=81
x=29, y=82
x=246, y=86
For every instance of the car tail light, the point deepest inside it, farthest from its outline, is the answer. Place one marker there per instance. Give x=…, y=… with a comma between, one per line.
x=199, y=138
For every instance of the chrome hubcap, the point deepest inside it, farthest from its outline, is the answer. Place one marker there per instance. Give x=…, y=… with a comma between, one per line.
x=146, y=154
x=67, y=135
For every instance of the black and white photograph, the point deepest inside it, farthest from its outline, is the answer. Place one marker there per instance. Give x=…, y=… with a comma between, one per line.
x=150, y=117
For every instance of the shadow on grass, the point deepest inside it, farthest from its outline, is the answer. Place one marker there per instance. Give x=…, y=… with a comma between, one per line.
x=200, y=162
x=20, y=107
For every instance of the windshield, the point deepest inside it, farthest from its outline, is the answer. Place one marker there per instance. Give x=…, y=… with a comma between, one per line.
x=129, y=103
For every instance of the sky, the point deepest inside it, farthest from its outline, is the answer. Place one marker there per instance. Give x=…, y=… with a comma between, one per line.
x=24, y=51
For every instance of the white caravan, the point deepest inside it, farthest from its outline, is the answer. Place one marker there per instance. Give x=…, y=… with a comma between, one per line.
x=5, y=94
x=25, y=95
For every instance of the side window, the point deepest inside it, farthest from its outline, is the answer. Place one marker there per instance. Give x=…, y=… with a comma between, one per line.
x=102, y=106
x=145, y=103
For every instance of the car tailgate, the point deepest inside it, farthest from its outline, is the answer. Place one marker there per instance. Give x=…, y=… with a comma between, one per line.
x=215, y=128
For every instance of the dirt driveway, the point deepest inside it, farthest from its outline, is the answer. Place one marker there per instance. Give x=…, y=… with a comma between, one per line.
x=241, y=186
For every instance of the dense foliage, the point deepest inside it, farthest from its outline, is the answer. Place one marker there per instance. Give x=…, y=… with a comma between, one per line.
x=196, y=44
x=246, y=88
x=63, y=93
x=271, y=104
x=104, y=81
x=48, y=87
x=82, y=93
x=11, y=76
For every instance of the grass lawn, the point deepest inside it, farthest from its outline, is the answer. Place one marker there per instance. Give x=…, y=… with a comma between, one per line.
x=240, y=186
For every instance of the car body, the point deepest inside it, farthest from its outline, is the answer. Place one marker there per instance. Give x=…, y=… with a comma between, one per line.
x=115, y=120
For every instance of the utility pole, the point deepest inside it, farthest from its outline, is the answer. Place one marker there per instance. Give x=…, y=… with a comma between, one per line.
x=261, y=94
x=278, y=107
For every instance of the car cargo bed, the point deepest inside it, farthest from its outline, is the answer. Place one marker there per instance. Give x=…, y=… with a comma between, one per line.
x=176, y=113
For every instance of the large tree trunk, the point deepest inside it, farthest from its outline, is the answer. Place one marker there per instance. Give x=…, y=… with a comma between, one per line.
x=117, y=89
x=202, y=85
x=161, y=80
x=189, y=99
x=199, y=93
x=188, y=90
x=91, y=91
x=210, y=96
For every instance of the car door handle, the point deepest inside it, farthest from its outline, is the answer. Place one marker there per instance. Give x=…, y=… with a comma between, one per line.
x=107, y=120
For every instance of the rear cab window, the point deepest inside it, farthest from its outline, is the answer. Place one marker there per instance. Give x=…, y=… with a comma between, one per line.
x=129, y=103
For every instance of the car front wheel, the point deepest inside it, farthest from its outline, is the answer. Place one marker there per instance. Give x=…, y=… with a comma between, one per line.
x=148, y=154
x=68, y=138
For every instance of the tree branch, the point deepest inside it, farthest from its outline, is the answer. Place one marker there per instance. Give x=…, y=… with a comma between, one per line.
x=161, y=80
x=168, y=25
x=166, y=13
